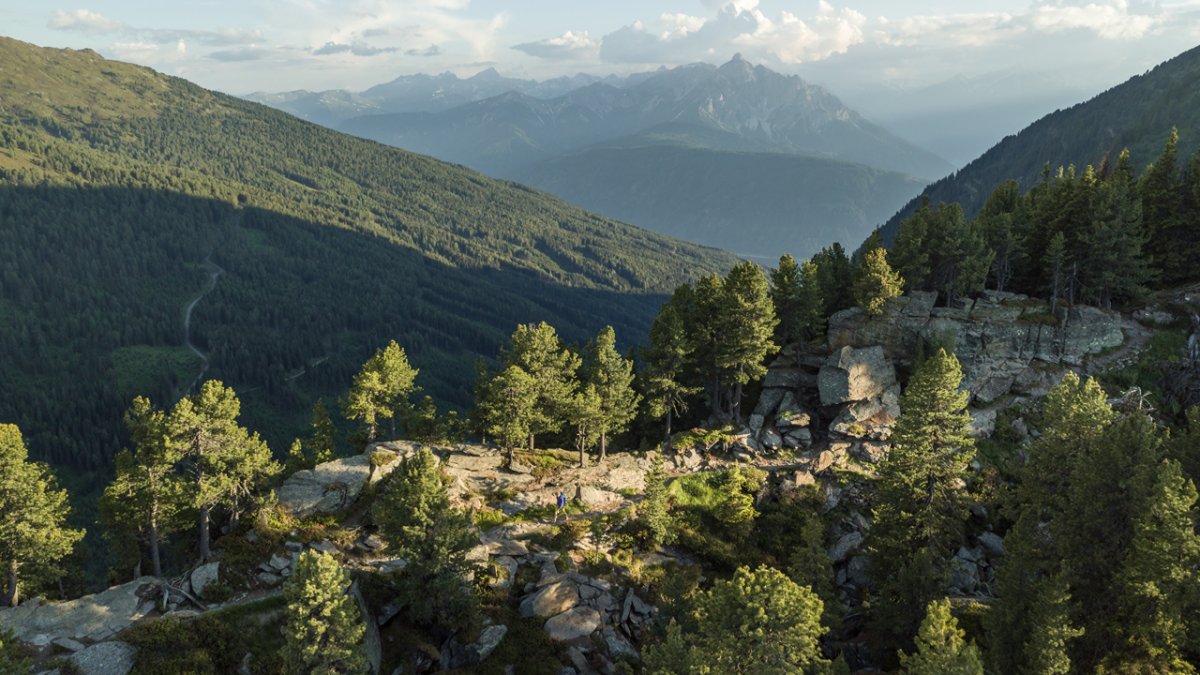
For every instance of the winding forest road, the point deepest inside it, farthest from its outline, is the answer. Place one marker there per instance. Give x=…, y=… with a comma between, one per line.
x=214, y=271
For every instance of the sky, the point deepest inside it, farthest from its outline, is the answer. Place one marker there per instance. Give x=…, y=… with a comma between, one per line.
x=894, y=60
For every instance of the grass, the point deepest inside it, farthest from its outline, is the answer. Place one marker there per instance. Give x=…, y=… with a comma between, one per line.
x=704, y=438
x=703, y=491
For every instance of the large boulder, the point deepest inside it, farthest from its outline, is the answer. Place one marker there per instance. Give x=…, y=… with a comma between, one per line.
x=204, y=575
x=855, y=375
x=105, y=658
x=333, y=486
x=571, y=625
x=91, y=618
x=552, y=599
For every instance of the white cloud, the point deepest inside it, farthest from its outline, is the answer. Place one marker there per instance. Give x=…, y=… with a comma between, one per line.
x=1110, y=20
x=83, y=20
x=569, y=45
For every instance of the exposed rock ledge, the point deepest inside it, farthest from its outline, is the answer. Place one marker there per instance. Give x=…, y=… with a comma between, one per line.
x=1000, y=338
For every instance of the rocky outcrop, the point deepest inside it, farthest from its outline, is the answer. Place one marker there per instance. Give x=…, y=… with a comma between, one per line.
x=333, y=486
x=91, y=618
x=106, y=658
x=203, y=576
x=997, y=337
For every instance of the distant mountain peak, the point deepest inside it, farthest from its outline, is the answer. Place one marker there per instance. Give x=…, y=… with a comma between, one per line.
x=487, y=74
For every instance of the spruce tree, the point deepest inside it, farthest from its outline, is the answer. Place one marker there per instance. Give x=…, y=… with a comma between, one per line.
x=997, y=225
x=876, y=282
x=1162, y=208
x=836, y=277
x=1113, y=266
x=746, y=325
x=1054, y=265
x=33, y=532
x=586, y=413
x=415, y=518
x=910, y=254
x=942, y=647
x=537, y=350
x=323, y=627
x=667, y=358
x=296, y=459
x=611, y=375
x=705, y=332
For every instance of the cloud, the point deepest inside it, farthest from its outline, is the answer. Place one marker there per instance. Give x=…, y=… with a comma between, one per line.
x=356, y=49
x=569, y=45
x=431, y=50
x=84, y=21
x=241, y=54
x=1109, y=20
x=737, y=26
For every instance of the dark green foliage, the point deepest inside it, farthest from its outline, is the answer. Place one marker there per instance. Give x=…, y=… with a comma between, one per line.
x=756, y=622
x=942, y=648
x=414, y=515
x=876, y=282
x=116, y=183
x=13, y=658
x=654, y=511
x=940, y=250
x=323, y=625
x=667, y=359
x=835, y=278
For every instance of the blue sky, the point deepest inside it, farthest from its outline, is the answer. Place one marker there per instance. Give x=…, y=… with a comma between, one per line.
x=856, y=45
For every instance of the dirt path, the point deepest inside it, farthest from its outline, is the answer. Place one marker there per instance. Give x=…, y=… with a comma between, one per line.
x=214, y=271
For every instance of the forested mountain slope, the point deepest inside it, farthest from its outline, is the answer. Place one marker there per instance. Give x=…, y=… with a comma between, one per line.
x=118, y=183
x=1137, y=115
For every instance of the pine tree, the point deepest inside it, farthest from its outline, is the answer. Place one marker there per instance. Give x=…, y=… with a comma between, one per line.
x=654, y=511
x=33, y=532
x=756, y=622
x=323, y=626
x=785, y=294
x=382, y=388
x=226, y=463
x=321, y=445
x=667, y=358
x=997, y=224
x=746, y=329
x=910, y=253
x=836, y=277
x=506, y=407
x=876, y=283
x=414, y=515
x=586, y=412
x=1048, y=628
x=537, y=350
x=297, y=459
x=1159, y=581
x=1112, y=265
x=942, y=648
x=1054, y=264
x=147, y=490
x=612, y=377
x=703, y=320
x=920, y=496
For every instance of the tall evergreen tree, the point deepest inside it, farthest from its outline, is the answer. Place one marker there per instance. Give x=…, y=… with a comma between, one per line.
x=1162, y=202
x=506, y=407
x=321, y=444
x=746, y=329
x=654, y=511
x=920, y=496
x=323, y=627
x=910, y=253
x=382, y=388
x=1112, y=265
x=33, y=532
x=876, y=283
x=225, y=463
x=667, y=358
x=997, y=224
x=810, y=304
x=416, y=519
x=1160, y=582
x=785, y=294
x=537, y=350
x=147, y=487
x=942, y=647
x=836, y=276
x=1054, y=264
x=703, y=319
x=586, y=413
x=611, y=376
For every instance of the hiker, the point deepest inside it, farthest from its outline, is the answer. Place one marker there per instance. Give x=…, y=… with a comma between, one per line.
x=561, y=502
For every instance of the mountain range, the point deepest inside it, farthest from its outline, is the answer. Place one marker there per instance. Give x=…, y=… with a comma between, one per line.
x=724, y=119
x=1137, y=115
x=126, y=195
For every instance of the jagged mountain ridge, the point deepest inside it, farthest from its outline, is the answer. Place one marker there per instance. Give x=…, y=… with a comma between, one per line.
x=766, y=111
